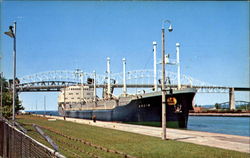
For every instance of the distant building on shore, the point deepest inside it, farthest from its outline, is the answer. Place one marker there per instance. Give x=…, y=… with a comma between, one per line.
x=198, y=109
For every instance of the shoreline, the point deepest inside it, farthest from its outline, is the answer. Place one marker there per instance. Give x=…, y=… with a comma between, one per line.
x=221, y=114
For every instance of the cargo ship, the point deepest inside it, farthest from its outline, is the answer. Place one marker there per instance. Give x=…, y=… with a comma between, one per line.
x=79, y=102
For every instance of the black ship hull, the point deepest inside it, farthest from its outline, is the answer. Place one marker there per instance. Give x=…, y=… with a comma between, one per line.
x=145, y=109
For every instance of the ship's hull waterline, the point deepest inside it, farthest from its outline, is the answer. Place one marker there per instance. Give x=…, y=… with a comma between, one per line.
x=144, y=109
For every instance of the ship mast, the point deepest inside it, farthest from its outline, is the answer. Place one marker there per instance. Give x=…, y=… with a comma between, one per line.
x=94, y=89
x=109, y=77
x=124, y=77
x=155, y=67
x=178, y=65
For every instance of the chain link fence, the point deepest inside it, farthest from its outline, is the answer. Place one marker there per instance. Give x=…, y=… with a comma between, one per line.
x=16, y=144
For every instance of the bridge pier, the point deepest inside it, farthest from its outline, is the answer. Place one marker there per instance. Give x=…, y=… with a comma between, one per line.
x=231, y=99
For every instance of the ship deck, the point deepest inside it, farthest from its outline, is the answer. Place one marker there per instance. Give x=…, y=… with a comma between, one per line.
x=224, y=141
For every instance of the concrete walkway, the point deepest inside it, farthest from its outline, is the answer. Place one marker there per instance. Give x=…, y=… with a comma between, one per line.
x=231, y=142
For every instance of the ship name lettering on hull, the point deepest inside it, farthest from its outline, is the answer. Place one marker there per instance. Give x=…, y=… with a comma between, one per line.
x=143, y=105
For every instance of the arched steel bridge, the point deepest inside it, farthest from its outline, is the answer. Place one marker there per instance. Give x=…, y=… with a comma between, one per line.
x=55, y=80
x=238, y=103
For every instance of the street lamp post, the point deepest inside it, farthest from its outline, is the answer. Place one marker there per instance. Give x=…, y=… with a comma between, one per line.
x=1, y=101
x=164, y=118
x=12, y=34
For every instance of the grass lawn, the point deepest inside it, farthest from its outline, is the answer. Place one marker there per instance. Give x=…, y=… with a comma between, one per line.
x=80, y=140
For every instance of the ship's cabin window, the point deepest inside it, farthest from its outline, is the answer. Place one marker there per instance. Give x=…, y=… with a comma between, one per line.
x=73, y=89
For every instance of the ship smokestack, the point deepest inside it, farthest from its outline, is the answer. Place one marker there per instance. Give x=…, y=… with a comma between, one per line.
x=178, y=65
x=124, y=77
x=109, y=77
x=155, y=66
x=94, y=88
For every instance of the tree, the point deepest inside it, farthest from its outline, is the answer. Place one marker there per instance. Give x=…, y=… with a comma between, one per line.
x=217, y=106
x=7, y=100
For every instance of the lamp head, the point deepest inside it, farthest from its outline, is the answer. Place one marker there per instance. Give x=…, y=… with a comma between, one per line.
x=170, y=29
x=11, y=28
x=10, y=32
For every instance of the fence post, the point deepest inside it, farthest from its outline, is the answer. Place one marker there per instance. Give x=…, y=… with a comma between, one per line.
x=1, y=137
x=11, y=145
x=4, y=141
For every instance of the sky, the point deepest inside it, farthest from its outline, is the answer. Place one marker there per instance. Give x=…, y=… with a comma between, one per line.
x=65, y=35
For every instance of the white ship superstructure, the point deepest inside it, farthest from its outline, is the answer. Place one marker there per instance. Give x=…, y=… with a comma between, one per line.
x=75, y=96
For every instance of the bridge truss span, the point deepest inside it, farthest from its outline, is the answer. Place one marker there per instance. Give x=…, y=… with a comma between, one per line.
x=54, y=80
x=77, y=76
x=44, y=86
x=147, y=76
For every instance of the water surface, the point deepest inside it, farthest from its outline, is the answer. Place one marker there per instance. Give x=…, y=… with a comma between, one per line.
x=225, y=125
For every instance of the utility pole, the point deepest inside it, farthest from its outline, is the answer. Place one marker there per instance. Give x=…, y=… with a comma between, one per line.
x=163, y=89
x=164, y=117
